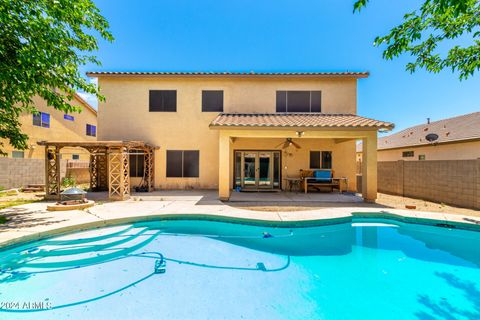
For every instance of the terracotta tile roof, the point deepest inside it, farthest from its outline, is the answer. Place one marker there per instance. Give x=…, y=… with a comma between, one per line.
x=313, y=120
x=465, y=127
x=232, y=74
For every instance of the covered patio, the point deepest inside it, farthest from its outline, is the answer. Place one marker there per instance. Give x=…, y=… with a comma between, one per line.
x=314, y=131
x=294, y=197
x=109, y=166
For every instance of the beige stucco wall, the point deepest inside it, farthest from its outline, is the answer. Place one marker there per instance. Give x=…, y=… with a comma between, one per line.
x=60, y=129
x=124, y=115
x=451, y=151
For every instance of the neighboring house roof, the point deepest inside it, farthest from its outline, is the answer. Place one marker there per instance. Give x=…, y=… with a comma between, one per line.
x=461, y=128
x=232, y=74
x=316, y=120
x=85, y=104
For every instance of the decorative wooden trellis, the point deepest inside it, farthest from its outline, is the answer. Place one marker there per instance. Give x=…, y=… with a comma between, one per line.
x=93, y=172
x=148, y=180
x=119, y=173
x=98, y=169
x=150, y=169
x=109, y=166
x=102, y=171
x=52, y=172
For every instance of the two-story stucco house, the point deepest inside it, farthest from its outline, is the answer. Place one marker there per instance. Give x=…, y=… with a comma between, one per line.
x=52, y=124
x=246, y=131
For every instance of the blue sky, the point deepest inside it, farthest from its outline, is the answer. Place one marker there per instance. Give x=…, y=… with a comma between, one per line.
x=279, y=35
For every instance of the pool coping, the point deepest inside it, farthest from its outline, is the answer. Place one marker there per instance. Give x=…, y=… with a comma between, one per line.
x=340, y=215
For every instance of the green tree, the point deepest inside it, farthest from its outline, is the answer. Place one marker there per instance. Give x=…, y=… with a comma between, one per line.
x=42, y=45
x=436, y=22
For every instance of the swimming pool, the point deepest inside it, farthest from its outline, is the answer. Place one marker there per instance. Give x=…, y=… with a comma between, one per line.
x=185, y=269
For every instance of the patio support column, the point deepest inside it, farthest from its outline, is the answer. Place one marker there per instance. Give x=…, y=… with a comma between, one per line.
x=369, y=167
x=224, y=166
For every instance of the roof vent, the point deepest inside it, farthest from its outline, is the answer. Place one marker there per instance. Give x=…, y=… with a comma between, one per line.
x=431, y=137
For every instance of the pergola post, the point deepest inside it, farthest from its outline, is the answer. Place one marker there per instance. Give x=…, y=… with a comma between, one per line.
x=151, y=174
x=148, y=181
x=149, y=165
x=52, y=172
x=126, y=173
x=102, y=170
x=93, y=171
x=118, y=174
x=98, y=169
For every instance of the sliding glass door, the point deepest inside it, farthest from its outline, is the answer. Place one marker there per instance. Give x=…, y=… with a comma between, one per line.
x=257, y=170
x=265, y=170
x=249, y=178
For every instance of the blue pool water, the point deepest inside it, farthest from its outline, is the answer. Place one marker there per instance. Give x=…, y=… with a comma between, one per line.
x=212, y=270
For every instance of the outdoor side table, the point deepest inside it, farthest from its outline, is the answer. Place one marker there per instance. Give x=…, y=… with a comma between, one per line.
x=293, y=184
x=345, y=179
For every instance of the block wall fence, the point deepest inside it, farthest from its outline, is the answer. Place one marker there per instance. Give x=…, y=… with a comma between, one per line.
x=454, y=182
x=16, y=173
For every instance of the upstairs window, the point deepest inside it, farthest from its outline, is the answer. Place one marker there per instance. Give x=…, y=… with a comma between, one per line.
x=299, y=101
x=75, y=157
x=163, y=101
x=183, y=163
x=68, y=117
x=91, y=130
x=41, y=119
x=212, y=101
x=320, y=159
x=408, y=154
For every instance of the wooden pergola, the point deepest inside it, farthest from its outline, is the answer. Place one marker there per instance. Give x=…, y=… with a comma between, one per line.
x=109, y=166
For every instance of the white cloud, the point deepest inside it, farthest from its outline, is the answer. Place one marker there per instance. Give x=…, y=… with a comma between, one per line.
x=94, y=81
x=90, y=98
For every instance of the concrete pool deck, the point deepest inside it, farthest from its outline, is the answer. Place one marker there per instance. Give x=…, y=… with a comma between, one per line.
x=32, y=221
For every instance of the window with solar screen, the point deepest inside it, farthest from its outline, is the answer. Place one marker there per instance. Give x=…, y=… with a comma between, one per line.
x=299, y=101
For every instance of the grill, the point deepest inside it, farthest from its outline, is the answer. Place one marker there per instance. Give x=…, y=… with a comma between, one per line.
x=73, y=194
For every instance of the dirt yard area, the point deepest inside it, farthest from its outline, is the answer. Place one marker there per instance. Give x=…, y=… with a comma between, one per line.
x=15, y=198
x=384, y=200
x=422, y=205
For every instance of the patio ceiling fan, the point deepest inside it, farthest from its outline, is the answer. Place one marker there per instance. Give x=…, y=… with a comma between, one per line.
x=287, y=143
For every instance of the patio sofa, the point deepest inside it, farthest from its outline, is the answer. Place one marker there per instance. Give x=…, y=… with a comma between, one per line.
x=319, y=179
